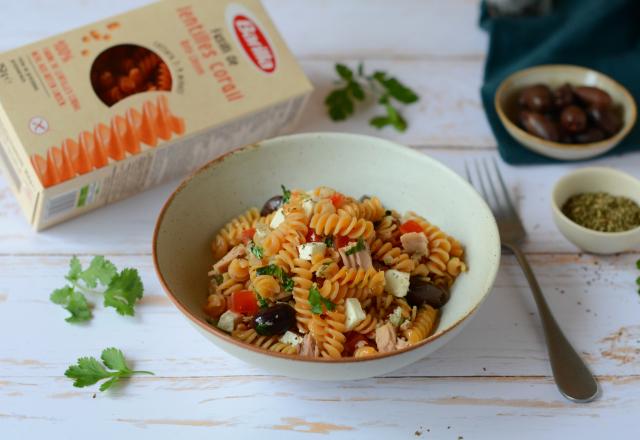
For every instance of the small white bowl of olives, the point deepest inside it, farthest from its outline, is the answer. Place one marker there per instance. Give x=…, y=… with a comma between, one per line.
x=565, y=112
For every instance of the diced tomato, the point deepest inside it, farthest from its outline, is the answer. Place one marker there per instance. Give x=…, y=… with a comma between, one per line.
x=312, y=236
x=352, y=340
x=244, y=302
x=247, y=235
x=337, y=199
x=341, y=241
x=410, y=226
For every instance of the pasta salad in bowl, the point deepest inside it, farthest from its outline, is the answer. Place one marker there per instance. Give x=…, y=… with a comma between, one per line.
x=346, y=274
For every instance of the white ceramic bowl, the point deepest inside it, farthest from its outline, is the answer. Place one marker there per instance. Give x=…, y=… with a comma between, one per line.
x=402, y=178
x=595, y=179
x=555, y=75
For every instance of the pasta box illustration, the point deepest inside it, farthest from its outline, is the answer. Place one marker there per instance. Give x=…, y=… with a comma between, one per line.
x=102, y=112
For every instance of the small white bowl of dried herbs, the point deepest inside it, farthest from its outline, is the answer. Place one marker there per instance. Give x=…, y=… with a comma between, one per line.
x=598, y=209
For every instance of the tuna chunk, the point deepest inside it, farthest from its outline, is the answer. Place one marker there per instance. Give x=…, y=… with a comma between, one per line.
x=359, y=259
x=415, y=243
x=309, y=346
x=386, y=338
x=223, y=264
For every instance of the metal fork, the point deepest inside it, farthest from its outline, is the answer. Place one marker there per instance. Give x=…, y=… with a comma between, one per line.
x=572, y=376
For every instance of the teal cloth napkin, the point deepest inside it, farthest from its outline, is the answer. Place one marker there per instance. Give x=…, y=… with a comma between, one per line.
x=600, y=34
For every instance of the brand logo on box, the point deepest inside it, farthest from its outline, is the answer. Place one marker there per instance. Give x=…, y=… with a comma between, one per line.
x=249, y=34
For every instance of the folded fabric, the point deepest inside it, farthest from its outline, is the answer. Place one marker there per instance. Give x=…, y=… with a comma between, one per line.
x=602, y=35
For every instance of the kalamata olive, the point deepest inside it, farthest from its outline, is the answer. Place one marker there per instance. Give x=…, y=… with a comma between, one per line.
x=423, y=292
x=538, y=125
x=536, y=98
x=271, y=205
x=605, y=118
x=275, y=320
x=563, y=96
x=591, y=134
x=593, y=96
x=573, y=119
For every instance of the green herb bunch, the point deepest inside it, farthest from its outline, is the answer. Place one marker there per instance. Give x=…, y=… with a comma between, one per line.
x=121, y=289
x=354, y=87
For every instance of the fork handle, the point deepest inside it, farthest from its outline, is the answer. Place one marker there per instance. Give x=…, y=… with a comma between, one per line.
x=572, y=376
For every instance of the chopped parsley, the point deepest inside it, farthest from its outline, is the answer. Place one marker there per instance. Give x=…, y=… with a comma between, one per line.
x=359, y=246
x=317, y=301
x=219, y=278
x=276, y=271
x=262, y=303
x=286, y=194
x=329, y=241
x=256, y=250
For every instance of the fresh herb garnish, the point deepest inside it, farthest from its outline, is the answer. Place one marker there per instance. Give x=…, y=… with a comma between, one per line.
x=276, y=271
x=329, y=241
x=286, y=194
x=122, y=290
x=359, y=246
x=256, y=250
x=89, y=370
x=382, y=87
x=219, y=278
x=262, y=303
x=317, y=301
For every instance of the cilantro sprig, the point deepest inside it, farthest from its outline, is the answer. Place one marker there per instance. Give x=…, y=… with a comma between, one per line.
x=329, y=241
x=359, y=246
x=286, y=194
x=121, y=289
x=383, y=88
x=317, y=301
x=256, y=250
x=89, y=370
x=276, y=271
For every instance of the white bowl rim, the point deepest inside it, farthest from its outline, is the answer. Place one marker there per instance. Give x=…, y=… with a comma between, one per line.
x=590, y=147
x=385, y=143
x=589, y=170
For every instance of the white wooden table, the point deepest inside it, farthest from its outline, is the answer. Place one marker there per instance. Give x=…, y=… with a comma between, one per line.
x=492, y=381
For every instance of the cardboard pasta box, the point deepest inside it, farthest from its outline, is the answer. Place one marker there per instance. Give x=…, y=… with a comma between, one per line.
x=100, y=113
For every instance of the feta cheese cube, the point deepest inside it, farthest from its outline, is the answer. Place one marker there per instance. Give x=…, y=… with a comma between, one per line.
x=396, y=317
x=396, y=282
x=354, y=312
x=228, y=321
x=277, y=219
x=308, y=250
x=262, y=231
x=291, y=338
x=308, y=205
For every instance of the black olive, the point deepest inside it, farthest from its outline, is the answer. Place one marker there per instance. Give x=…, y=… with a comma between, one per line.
x=606, y=119
x=537, y=98
x=275, y=320
x=563, y=96
x=539, y=125
x=573, y=119
x=271, y=205
x=423, y=292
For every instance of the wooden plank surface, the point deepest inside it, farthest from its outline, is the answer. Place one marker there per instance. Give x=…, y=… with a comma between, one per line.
x=492, y=381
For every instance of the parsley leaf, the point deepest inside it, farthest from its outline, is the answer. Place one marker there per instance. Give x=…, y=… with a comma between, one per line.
x=255, y=250
x=286, y=194
x=276, y=271
x=99, y=270
x=329, y=241
x=123, y=292
x=89, y=370
x=359, y=246
x=317, y=301
x=122, y=289
x=385, y=89
x=74, y=302
x=262, y=303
